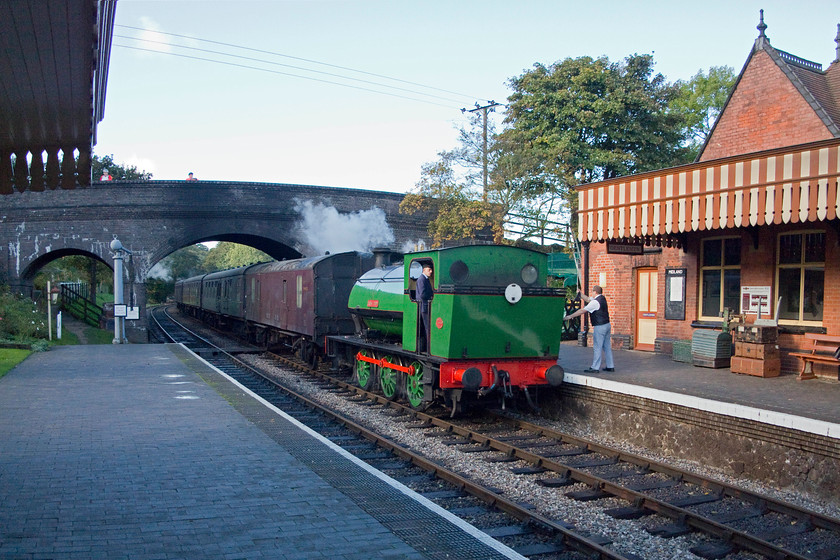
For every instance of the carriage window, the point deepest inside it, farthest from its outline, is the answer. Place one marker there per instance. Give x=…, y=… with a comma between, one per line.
x=300, y=291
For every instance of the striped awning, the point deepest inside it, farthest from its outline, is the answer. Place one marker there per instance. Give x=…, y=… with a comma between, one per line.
x=797, y=184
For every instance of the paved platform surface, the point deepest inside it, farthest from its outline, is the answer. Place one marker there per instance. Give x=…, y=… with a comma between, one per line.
x=812, y=405
x=141, y=451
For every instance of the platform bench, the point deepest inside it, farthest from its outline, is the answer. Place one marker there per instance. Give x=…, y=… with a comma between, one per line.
x=824, y=351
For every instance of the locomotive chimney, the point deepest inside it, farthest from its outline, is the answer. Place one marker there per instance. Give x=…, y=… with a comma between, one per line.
x=383, y=256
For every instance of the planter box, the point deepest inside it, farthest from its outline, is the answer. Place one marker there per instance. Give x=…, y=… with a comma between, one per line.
x=753, y=366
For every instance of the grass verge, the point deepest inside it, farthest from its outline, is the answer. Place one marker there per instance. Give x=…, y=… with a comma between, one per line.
x=10, y=357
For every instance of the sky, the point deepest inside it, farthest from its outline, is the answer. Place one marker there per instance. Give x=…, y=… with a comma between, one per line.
x=362, y=93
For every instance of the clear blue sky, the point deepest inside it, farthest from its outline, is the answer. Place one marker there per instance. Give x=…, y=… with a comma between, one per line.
x=171, y=115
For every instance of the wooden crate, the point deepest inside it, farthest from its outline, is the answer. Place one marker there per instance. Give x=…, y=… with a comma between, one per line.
x=753, y=366
x=760, y=351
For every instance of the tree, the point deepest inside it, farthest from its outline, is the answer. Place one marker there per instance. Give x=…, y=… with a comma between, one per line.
x=183, y=263
x=119, y=172
x=231, y=255
x=583, y=120
x=453, y=187
x=700, y=100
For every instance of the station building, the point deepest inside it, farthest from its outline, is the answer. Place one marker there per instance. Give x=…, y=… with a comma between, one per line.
x=752, y=226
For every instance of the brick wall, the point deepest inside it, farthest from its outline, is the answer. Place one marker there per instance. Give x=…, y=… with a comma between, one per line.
x=766, y=111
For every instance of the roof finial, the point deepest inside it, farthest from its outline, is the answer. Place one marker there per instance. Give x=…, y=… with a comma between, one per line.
x=761, y=25
x=837, y=40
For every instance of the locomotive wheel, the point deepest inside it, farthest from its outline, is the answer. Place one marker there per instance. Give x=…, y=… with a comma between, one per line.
x=414, y=386
x=388, y=379
x=364, y=371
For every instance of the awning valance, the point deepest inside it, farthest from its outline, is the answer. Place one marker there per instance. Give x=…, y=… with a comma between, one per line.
x=793, y=185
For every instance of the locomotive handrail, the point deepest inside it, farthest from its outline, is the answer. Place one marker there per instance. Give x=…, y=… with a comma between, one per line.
x=498, y=290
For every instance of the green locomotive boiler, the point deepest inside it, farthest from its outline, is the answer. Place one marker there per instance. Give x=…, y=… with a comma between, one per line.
x=495, y=327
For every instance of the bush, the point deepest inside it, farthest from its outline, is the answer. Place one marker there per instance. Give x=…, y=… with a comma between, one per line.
x=20, y=319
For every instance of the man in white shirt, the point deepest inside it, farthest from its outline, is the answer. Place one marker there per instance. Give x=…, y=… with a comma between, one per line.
x=599, y=316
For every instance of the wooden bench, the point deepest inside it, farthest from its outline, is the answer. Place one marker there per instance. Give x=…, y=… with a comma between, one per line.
x=823, y=352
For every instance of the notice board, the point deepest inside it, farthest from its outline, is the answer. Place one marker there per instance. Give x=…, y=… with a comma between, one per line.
x=675, y=293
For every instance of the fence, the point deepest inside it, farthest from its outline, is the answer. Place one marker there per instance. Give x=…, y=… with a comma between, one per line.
x=75, y=299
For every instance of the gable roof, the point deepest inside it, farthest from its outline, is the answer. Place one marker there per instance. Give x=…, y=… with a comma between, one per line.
x=820, y=89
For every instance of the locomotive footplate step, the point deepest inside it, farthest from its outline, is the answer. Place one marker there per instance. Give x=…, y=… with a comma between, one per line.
x=712, y=550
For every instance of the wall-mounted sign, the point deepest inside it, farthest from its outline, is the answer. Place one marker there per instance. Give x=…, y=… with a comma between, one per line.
x=625, y=247
x=120, y=310
x=756, y=299
x=675, y=293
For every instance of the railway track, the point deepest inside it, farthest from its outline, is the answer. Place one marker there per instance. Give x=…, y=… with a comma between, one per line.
x=724, y=521
x=512, y=524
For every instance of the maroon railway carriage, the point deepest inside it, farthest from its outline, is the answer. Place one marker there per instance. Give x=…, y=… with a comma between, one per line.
x=293, y=303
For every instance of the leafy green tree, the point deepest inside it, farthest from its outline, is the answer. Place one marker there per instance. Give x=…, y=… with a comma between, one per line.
x=231, y=255
x=700, y=100
x=583, y=120
x=119, y=172
x=184, y=263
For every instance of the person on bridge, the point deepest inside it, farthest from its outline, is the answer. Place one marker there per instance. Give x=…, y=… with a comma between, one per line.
x=106, y=176
x=190, y=178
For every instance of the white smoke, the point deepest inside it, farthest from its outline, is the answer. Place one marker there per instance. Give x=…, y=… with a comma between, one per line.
x=161, y=272
x=322, y=228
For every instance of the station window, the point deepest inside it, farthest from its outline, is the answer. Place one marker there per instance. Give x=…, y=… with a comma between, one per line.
x=800, y=276
x=720, y=276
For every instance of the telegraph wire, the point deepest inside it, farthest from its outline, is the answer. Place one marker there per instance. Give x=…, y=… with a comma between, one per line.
x=286, y=74
x=302, y=60
x=277, y=64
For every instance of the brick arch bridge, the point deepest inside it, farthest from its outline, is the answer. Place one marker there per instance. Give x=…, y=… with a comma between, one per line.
x=155, y=218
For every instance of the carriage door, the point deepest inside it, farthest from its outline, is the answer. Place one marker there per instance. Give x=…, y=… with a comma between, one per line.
x=646, y=292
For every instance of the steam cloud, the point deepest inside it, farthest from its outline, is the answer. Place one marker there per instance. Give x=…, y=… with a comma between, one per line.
x=321, y=229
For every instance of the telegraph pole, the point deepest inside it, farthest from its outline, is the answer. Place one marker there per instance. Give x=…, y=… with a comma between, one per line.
x=489, y=107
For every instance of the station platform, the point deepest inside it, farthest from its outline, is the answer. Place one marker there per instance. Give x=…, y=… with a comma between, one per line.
x=811, y=406
x=147, y=452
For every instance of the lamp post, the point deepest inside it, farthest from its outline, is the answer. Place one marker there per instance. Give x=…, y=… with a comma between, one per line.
x=119, y=322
